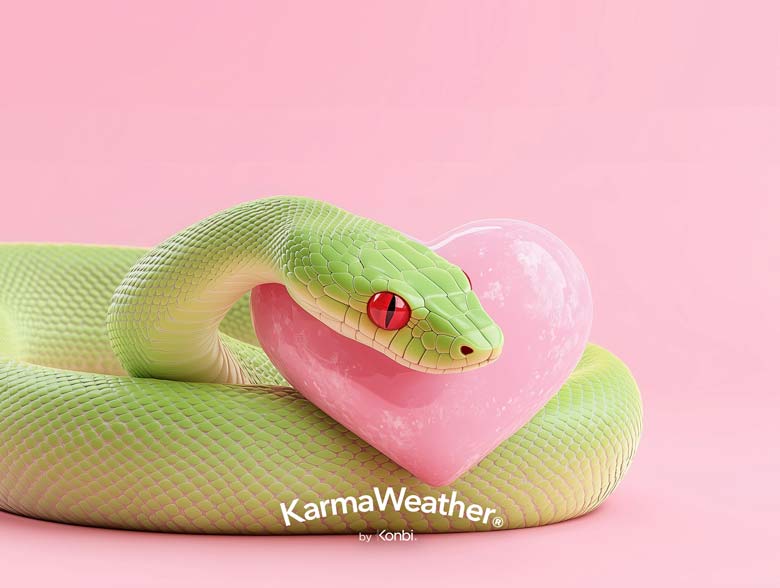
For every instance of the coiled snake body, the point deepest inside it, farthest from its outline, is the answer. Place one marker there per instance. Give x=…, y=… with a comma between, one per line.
x=133, y=394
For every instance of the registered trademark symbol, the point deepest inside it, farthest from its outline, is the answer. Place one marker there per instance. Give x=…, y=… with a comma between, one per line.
x=498, y=522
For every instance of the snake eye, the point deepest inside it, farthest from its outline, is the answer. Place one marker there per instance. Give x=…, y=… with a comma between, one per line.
x=388, y=311
x=469, y=279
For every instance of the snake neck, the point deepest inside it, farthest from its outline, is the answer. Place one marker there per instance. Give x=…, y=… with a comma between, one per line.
x=164, y=317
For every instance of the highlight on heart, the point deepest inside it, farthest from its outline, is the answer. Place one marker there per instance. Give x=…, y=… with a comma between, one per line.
x=288, y=367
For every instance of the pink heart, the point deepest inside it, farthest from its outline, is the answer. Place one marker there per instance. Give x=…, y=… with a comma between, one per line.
x=439, y=426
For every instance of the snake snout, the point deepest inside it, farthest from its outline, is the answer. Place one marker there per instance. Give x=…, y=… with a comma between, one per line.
x=477, y=348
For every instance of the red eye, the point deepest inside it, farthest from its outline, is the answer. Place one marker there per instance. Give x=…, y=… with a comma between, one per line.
x=388, y=311
x=469, y=279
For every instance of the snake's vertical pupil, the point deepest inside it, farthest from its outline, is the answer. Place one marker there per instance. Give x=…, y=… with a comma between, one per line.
x=388, y=311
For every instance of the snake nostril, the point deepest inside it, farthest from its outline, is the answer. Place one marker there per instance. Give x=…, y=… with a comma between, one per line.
x=466, y=350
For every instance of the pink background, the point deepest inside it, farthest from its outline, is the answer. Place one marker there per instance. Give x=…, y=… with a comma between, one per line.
x=644, y=134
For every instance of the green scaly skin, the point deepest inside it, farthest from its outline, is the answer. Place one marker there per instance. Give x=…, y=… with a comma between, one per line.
x=216, y=453
x=164, y=317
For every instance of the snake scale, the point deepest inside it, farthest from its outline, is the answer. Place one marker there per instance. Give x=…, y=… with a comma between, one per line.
x=134, y=395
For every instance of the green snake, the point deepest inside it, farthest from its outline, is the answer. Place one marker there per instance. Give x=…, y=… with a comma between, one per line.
x=134, y=395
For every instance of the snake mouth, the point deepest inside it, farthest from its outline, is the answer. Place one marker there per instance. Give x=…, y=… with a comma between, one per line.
x=459, y=366
x=471, y=358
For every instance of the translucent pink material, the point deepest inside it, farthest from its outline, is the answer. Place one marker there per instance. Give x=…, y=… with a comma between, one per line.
x=439, y=426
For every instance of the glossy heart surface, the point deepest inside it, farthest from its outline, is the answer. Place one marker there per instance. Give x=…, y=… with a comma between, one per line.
x=438, y=426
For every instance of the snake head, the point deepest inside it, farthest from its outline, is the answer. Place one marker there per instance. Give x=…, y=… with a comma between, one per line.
x=393, y=294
